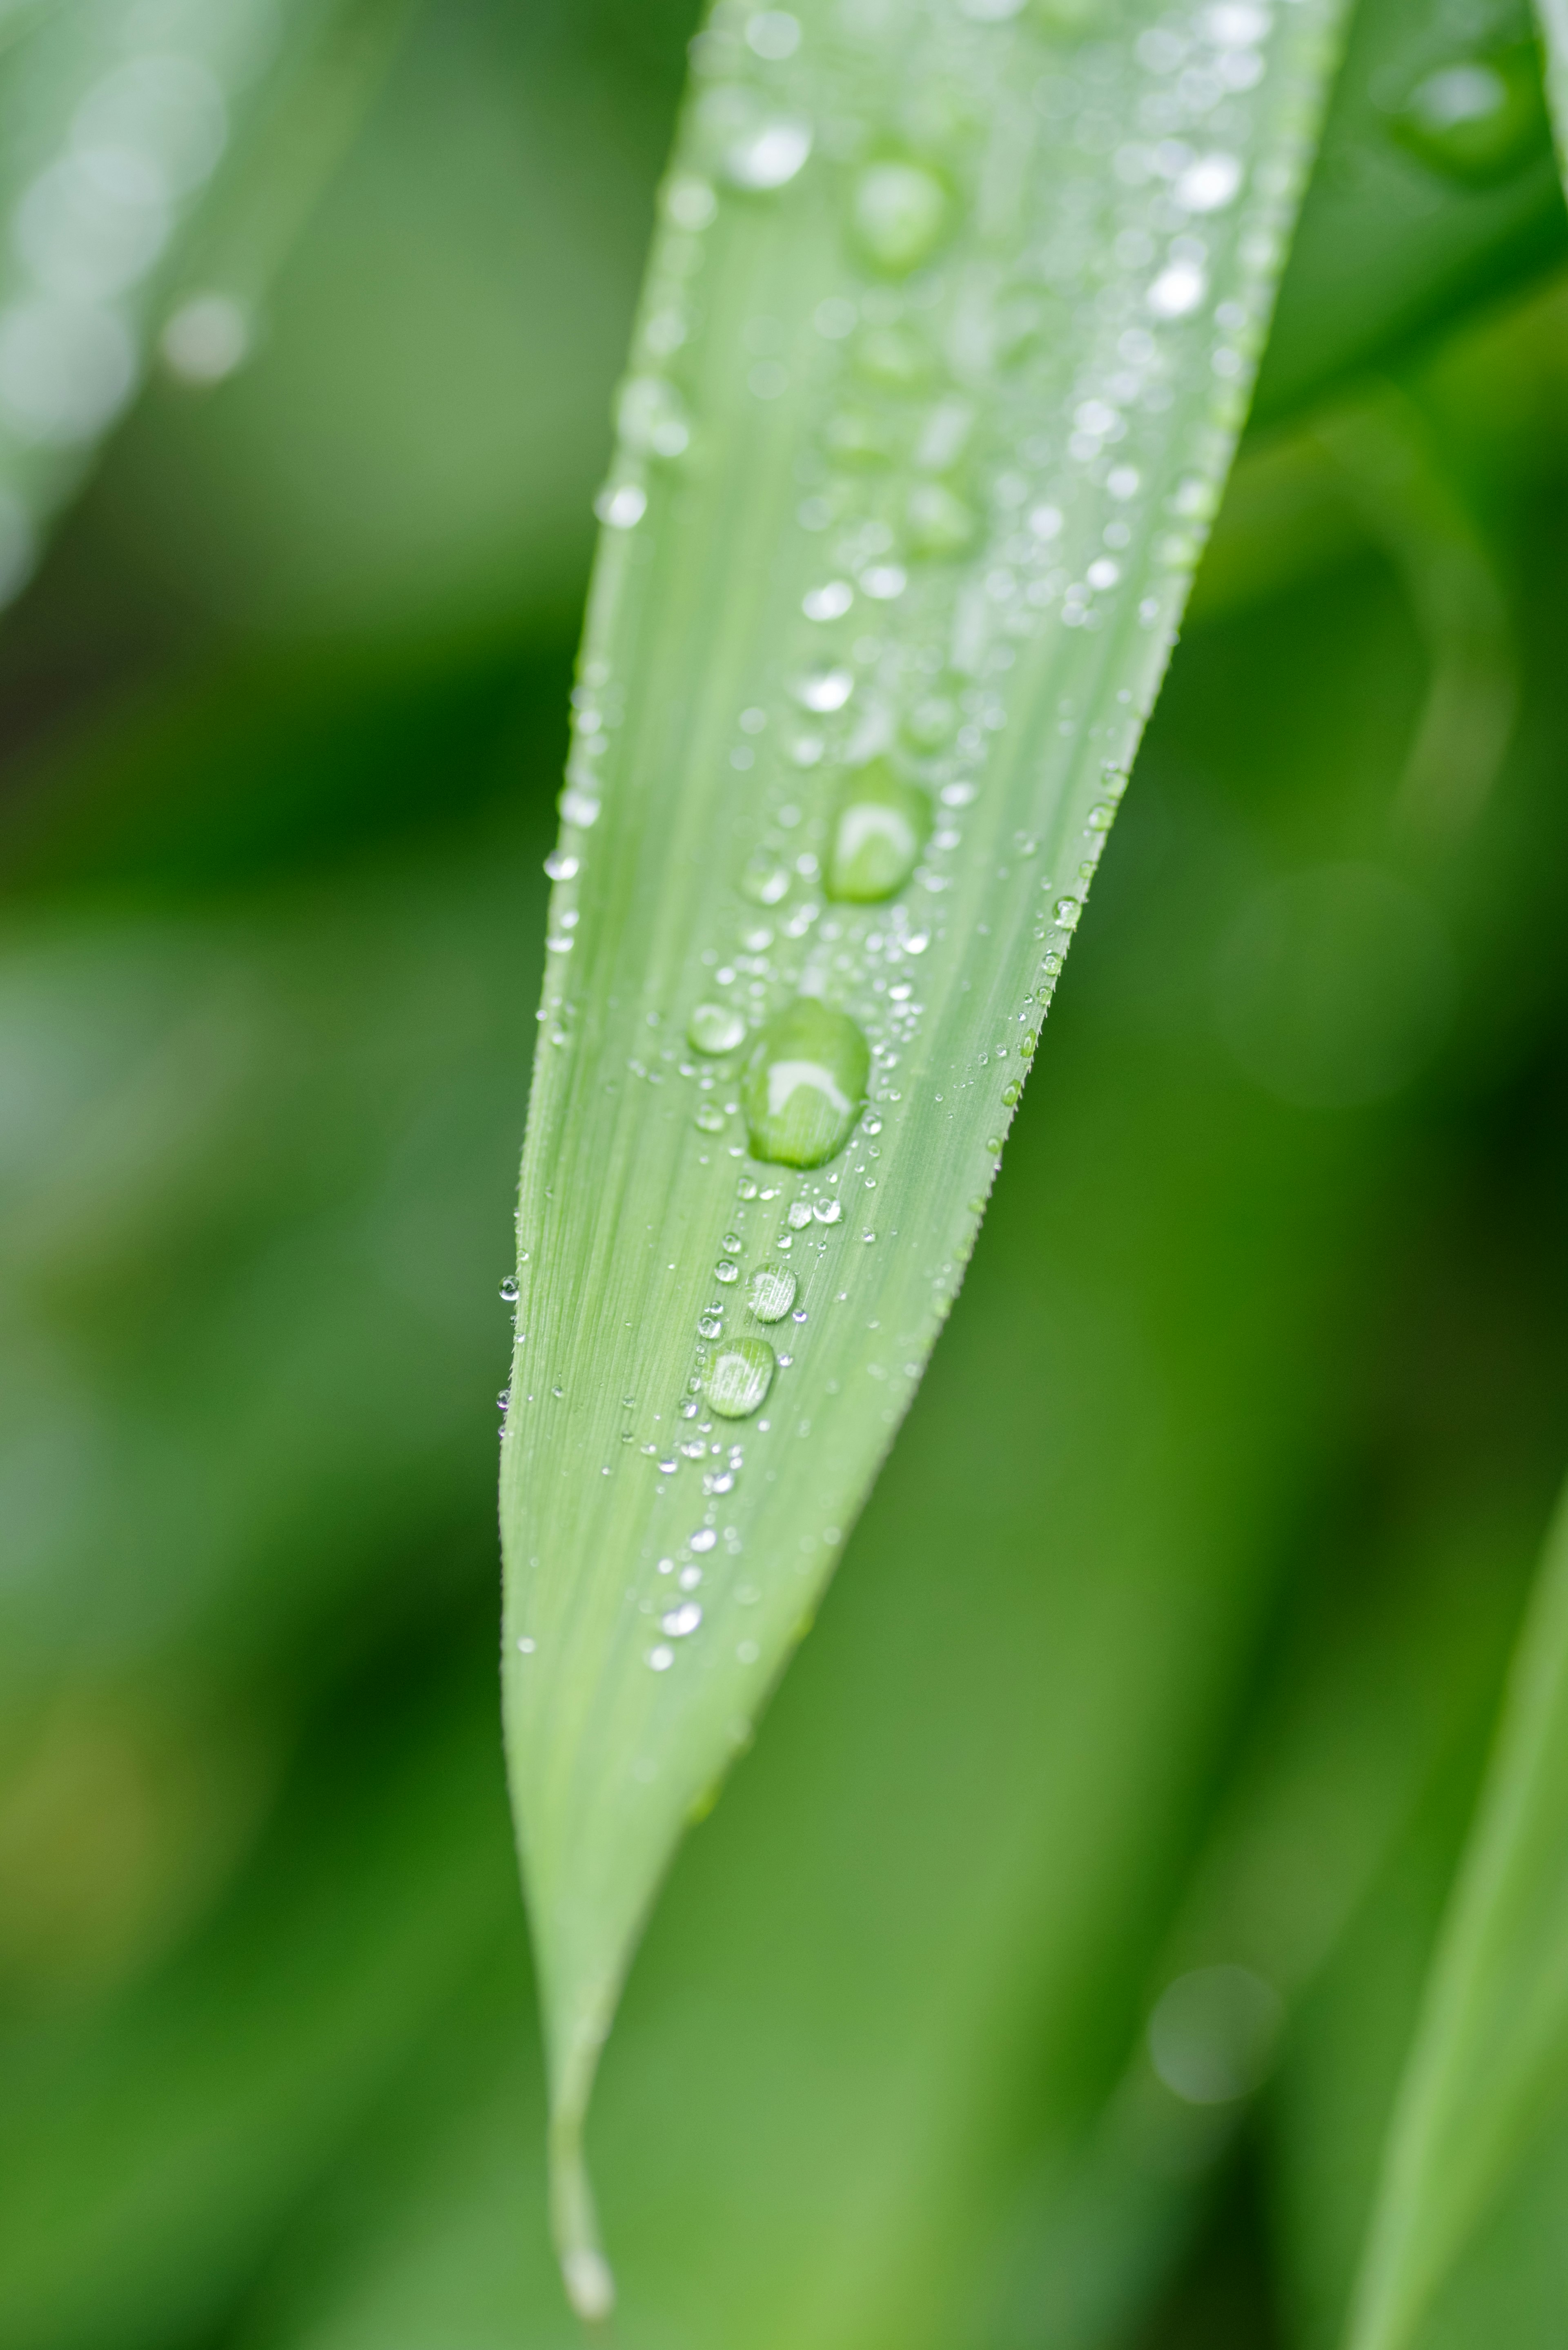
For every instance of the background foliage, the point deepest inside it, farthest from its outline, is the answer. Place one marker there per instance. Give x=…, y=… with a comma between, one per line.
x=1174, y=1634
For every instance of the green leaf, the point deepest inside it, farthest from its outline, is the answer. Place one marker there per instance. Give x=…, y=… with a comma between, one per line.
x=941, y=358
x=1488, y=2069
x=1553, y=20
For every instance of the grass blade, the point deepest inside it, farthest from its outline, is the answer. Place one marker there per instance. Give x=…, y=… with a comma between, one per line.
x=1489, y=2064
x=947, y=335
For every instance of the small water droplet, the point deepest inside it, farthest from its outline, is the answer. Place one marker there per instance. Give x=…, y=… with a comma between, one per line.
x=579, y=808
x=509, y=1289
x=679, y=1623
x=715, y=1028
x=560, y=866
x=773, y=34
x=621, y=504
x=652, y=418
x=726, y=1270
x=805, y=1085
x=662, y=1658
x=828, y=1212
x=825, y=688
x=709, y=1118
x=736, y=1377
x=879, y=828
x=764, y=881
x=771, y=1292
x=704, y=1538
x=757, y=148
x=709, y=1326
x=526, y=1647
x=828, y=603
x=937, y=522
x=1068, y=913
x=898, y=211
x=799, y=1214
x=1013, y=1095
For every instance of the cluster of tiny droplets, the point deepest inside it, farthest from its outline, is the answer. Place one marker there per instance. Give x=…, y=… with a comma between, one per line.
x=966, y=495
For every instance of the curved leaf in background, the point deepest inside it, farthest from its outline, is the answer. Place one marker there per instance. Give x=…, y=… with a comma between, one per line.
x=1488, y=2071
x=946, y=339
x=113, y=127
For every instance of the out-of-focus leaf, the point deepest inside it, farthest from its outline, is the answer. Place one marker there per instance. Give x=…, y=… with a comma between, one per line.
x=956, y=632
x=147, y=2158
x=1397, y=231
x=1488, y=2073
x=112, y=129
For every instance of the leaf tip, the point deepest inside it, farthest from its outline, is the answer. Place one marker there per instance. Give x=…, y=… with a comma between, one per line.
x=585, y=2273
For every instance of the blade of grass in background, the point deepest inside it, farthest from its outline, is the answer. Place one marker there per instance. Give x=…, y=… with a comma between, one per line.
x=937, y=377
x=113, y=131
x=1489, y=2070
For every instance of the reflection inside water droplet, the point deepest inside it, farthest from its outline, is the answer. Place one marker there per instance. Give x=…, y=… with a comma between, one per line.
x=771, y=1292
x=715, y=1028
x=878, y=831
x=805, y=1085
x=736, y=1377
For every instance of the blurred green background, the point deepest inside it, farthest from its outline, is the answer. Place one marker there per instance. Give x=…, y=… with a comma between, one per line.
x=1043, y=1979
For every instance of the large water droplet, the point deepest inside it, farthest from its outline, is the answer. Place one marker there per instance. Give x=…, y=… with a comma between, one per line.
x=736, y=1377
x=878, y=831
x=898, y=213
x=715, y=1028
x=771, y=1292
x=805, y=1085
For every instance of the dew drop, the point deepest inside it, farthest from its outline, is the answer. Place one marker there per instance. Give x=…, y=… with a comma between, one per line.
x=825, y=688
x=771, y=1292
x=898, y=213
x=764, y=881
x=757, y=148
x=736, y=1377
x=509, y=1289
x=937, y=522
x=799, y=1214
x=879, y=828
x=621, y=506
x=660, y=1659
x=805, y=1085
x=828, y=1212
x=679, y=1623
x=726, y=1270
x=710, y=1119
x=652, y=417
x=715, y=1028
x=559, y=866
x=1477, y=120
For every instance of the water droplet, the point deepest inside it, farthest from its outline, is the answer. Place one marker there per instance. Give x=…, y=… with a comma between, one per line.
x=1011, y=1095
x=764, y=881
x=825, y=688
x=799, y=1214
x=680, y=1622
x=662, y=1658
x=621, y=504
x=1209, y=184
x=525, y=1647
x=1068, y=913
x=805, y=1085
x=709, y=1118
x=579, y=808
x=756, y=148
x=704, y=1538
x=715, y=1028
x=828, y=603
x=895, y=358
x=879, y=828
x=726, y=1270
x=1178, y=290
x=773, y=34
x=509, y=1289
x=938, y=521
x=828, y=1212
x=736, y=1377
x=652, y=417
x=771, y=1292
x=709, y=1326
x=1478, y=119
x=559, y=866
x=898, y=213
